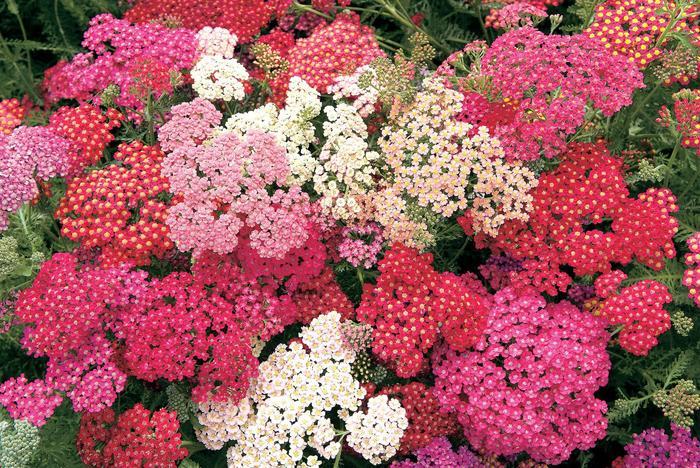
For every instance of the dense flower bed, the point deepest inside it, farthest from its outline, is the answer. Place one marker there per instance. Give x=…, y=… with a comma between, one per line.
x=272, y=233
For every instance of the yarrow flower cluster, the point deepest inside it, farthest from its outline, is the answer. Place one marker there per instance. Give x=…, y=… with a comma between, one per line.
x=99, y=208
x=223, y=188
x=178, y=330
x=137, y=437
x=28, y=154
x=515, y=15
x=570, y=207
x=654, y=447
x=361, y=245
x=244, y=18
x=636, y=29
x=686, y=117
x=529, y=384
x=346, y=165
x=434, y=161
x=639, y=308
x=376, y=434
x=412, y=305
x=540, y=85
x=289, y=405
x=89, y=129
x=439, y=454
x=216, y=77
x=114, y=45
x=19, y=441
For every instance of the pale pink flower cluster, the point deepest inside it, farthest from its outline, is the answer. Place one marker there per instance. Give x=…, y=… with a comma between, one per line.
x=435, y=161
x=223, y=183
x=361, y=244
x=348, y=87
x=28, y=154
x=216, y=41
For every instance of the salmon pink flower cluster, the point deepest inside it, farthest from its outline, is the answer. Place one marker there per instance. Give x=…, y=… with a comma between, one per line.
x=324, y=233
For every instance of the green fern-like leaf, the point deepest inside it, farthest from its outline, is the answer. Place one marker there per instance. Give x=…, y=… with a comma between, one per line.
x=677, y=369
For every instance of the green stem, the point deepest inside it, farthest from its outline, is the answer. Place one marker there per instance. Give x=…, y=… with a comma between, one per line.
x=23, y=222
x=672, y=159
x=29, y=86
x=58, y=22
x=310, y=9
x=641, y=105
x=25, y=37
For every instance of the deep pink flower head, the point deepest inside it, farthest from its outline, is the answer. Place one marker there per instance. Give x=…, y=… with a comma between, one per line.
x=654, y=448
x=34, y=401
x=541, y=84
x=529, y=384
x=180, y=330
x=114, y=47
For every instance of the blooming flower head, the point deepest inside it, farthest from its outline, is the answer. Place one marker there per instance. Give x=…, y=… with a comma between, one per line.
x=654, y=447
x=538, y=86
x=137, y=436
x=99, y=207
x=216, y=77
x=412, y=304
x=344, y=44
x=529, y=384
x=244, y=18
x=635, y=30
x=434, y=161
x=376, y=434
x=114, y=47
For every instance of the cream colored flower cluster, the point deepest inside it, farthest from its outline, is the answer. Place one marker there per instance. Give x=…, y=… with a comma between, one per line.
x=390, y=210
x=221, y=422
x=435, y=161
x=215, y=77
x=376, y=435
x=289, y=407
x=346, y=170
x=292, y=126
